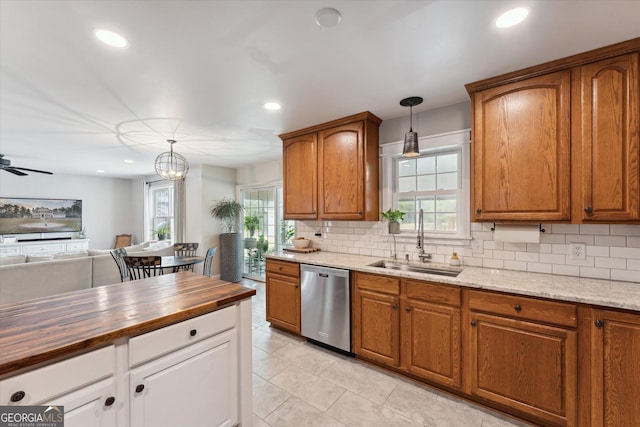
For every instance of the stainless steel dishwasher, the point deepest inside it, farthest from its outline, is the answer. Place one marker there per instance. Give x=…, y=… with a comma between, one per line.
x=326, y=308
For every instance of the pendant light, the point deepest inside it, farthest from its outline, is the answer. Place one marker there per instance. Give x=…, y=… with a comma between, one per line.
x=171, y=166
x=411, y=147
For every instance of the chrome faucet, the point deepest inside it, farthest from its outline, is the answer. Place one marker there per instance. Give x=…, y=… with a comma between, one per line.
x=421, y=254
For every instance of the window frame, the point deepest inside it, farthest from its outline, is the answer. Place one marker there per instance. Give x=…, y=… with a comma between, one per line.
x=432, y=144
x=153, y=187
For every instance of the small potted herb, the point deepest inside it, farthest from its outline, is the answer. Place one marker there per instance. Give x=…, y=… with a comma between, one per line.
x=162, y=232
x=251, y=223
x=394, y=217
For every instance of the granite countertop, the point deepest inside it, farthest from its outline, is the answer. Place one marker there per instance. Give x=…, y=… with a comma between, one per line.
x=42, y=329
x=606, y=293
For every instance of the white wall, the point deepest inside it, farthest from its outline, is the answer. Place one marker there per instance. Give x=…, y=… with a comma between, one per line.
x=105, y=201
x=260, y=173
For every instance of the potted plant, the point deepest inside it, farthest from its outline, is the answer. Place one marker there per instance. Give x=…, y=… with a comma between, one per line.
x=394, y=217
x=162, y=232
x=228, y=211
x=251, y=223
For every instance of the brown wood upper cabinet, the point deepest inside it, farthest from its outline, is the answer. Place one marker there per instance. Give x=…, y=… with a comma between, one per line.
x=559, y=141
x=521, y=150
x=331, y=170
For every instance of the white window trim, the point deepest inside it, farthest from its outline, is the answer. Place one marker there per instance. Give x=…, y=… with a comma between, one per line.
x=430, y=143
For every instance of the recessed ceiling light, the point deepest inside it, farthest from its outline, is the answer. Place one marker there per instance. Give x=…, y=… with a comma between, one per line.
x=328, y=17
x=512, y=17
x=111, y=38
x=128, y=161
x=273, y=106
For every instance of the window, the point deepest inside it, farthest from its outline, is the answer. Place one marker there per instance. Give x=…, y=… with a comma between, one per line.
x=437, y=182
x=161, y=208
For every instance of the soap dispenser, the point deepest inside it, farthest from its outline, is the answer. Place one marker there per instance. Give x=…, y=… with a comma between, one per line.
x=454, y=260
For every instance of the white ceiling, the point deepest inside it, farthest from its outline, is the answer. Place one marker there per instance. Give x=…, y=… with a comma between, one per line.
x=200, y=71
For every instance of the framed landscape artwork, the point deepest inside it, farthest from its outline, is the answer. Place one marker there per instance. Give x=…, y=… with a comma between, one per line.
x=22, y=215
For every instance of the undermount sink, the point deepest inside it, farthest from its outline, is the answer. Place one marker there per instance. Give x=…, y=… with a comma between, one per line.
x=391, y=265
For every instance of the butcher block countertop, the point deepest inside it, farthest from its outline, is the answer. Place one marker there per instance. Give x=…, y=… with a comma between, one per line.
x=43, y=329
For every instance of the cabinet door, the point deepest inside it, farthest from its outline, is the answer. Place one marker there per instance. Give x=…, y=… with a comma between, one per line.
x=91, y=406
x=431, y=341
x=196, y=386
x=376, y=326
x=300, y=177
x=283, y=302
x=615, y=383
x=606, y=129
x=525, y=366
x=341, y=172
x=521, y=150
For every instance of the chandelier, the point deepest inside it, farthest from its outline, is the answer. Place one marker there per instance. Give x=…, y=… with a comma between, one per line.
x=171, y=166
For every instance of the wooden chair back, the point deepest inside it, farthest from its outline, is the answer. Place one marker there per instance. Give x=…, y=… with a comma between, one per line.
x=206, y=270
x=122, y=240
x=185, y=249
x=118, y=256
x=141, y=267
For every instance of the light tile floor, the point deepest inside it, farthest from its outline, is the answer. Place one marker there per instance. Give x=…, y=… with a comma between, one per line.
x=296, y=383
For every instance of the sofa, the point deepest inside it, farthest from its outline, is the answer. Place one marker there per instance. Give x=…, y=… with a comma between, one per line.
x=26, y=277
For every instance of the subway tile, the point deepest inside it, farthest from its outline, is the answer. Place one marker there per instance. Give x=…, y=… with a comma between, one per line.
x=483, y=235
x=601, y=251
x=515, y=265
x=610, y=240
x=606, y=262
x=594, y=229
x=507, y=255
x=560, y=249
x=625, y=230
x=527, y=256
x=490, y=244
x=633, y=264
x=552, y=238
x=626, y=276
x=589, y=262
x=536, y=267
x=595, y=273
x=625, y=253
x=472, y=261
x=566, y=270
x=633, y=242
x=492, y=263
x=509, y=246
x=564, y=229
x=587, y=239
x=552, y=259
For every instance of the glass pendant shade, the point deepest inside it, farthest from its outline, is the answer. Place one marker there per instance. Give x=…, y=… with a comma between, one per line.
x=411, y=147
x=171, y=166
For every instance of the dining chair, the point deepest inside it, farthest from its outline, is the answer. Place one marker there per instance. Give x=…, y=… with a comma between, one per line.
x=143, y=266
x=122, y=240
x=118, y=256
x=206, y=270
x=185, y=249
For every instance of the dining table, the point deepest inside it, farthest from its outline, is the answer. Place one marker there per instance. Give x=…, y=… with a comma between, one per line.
x=175, y=262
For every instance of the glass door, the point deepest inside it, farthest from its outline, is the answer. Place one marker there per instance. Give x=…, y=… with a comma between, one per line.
x=264, y=229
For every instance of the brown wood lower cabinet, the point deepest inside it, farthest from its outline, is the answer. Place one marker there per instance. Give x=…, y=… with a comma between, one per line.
x=409, y=325
x=518, y=360
x=615, y=369
x=283, y=294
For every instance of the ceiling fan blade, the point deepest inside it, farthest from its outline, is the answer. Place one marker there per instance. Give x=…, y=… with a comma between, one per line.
x=32, y=170
x=14, y=171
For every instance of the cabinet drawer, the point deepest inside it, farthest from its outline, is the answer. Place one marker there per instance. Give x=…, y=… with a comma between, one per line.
x=12, y=250
x=373, y=282
x=44, y=249
x=558, y=313
x=432, y=292
x=166, y=340
x=283, y=267
x=77, y=246
x=60, y=378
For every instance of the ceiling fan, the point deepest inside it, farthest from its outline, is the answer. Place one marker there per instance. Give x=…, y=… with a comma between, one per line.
x=5, y=165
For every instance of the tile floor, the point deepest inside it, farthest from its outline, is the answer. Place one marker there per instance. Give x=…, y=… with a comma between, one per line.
x=296, y=384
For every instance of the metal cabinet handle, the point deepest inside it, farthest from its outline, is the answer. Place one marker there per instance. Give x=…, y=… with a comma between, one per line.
x=109, y=401
x=193, y=332
x=599, y=323
x=518, y=308
x=18, y=396
x=588, y=209
x=478, y=211
x=139, y=388
x=394, y=306
x=408, y=309
x=473, y=323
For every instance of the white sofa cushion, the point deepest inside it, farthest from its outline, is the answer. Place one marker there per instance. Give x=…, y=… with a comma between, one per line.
x=39, y=258
x=69, y=255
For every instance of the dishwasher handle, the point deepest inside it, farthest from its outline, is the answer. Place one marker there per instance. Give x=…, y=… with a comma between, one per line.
x=323, y=275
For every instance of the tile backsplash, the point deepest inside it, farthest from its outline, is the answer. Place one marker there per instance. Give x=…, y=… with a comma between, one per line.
x=612, y=250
